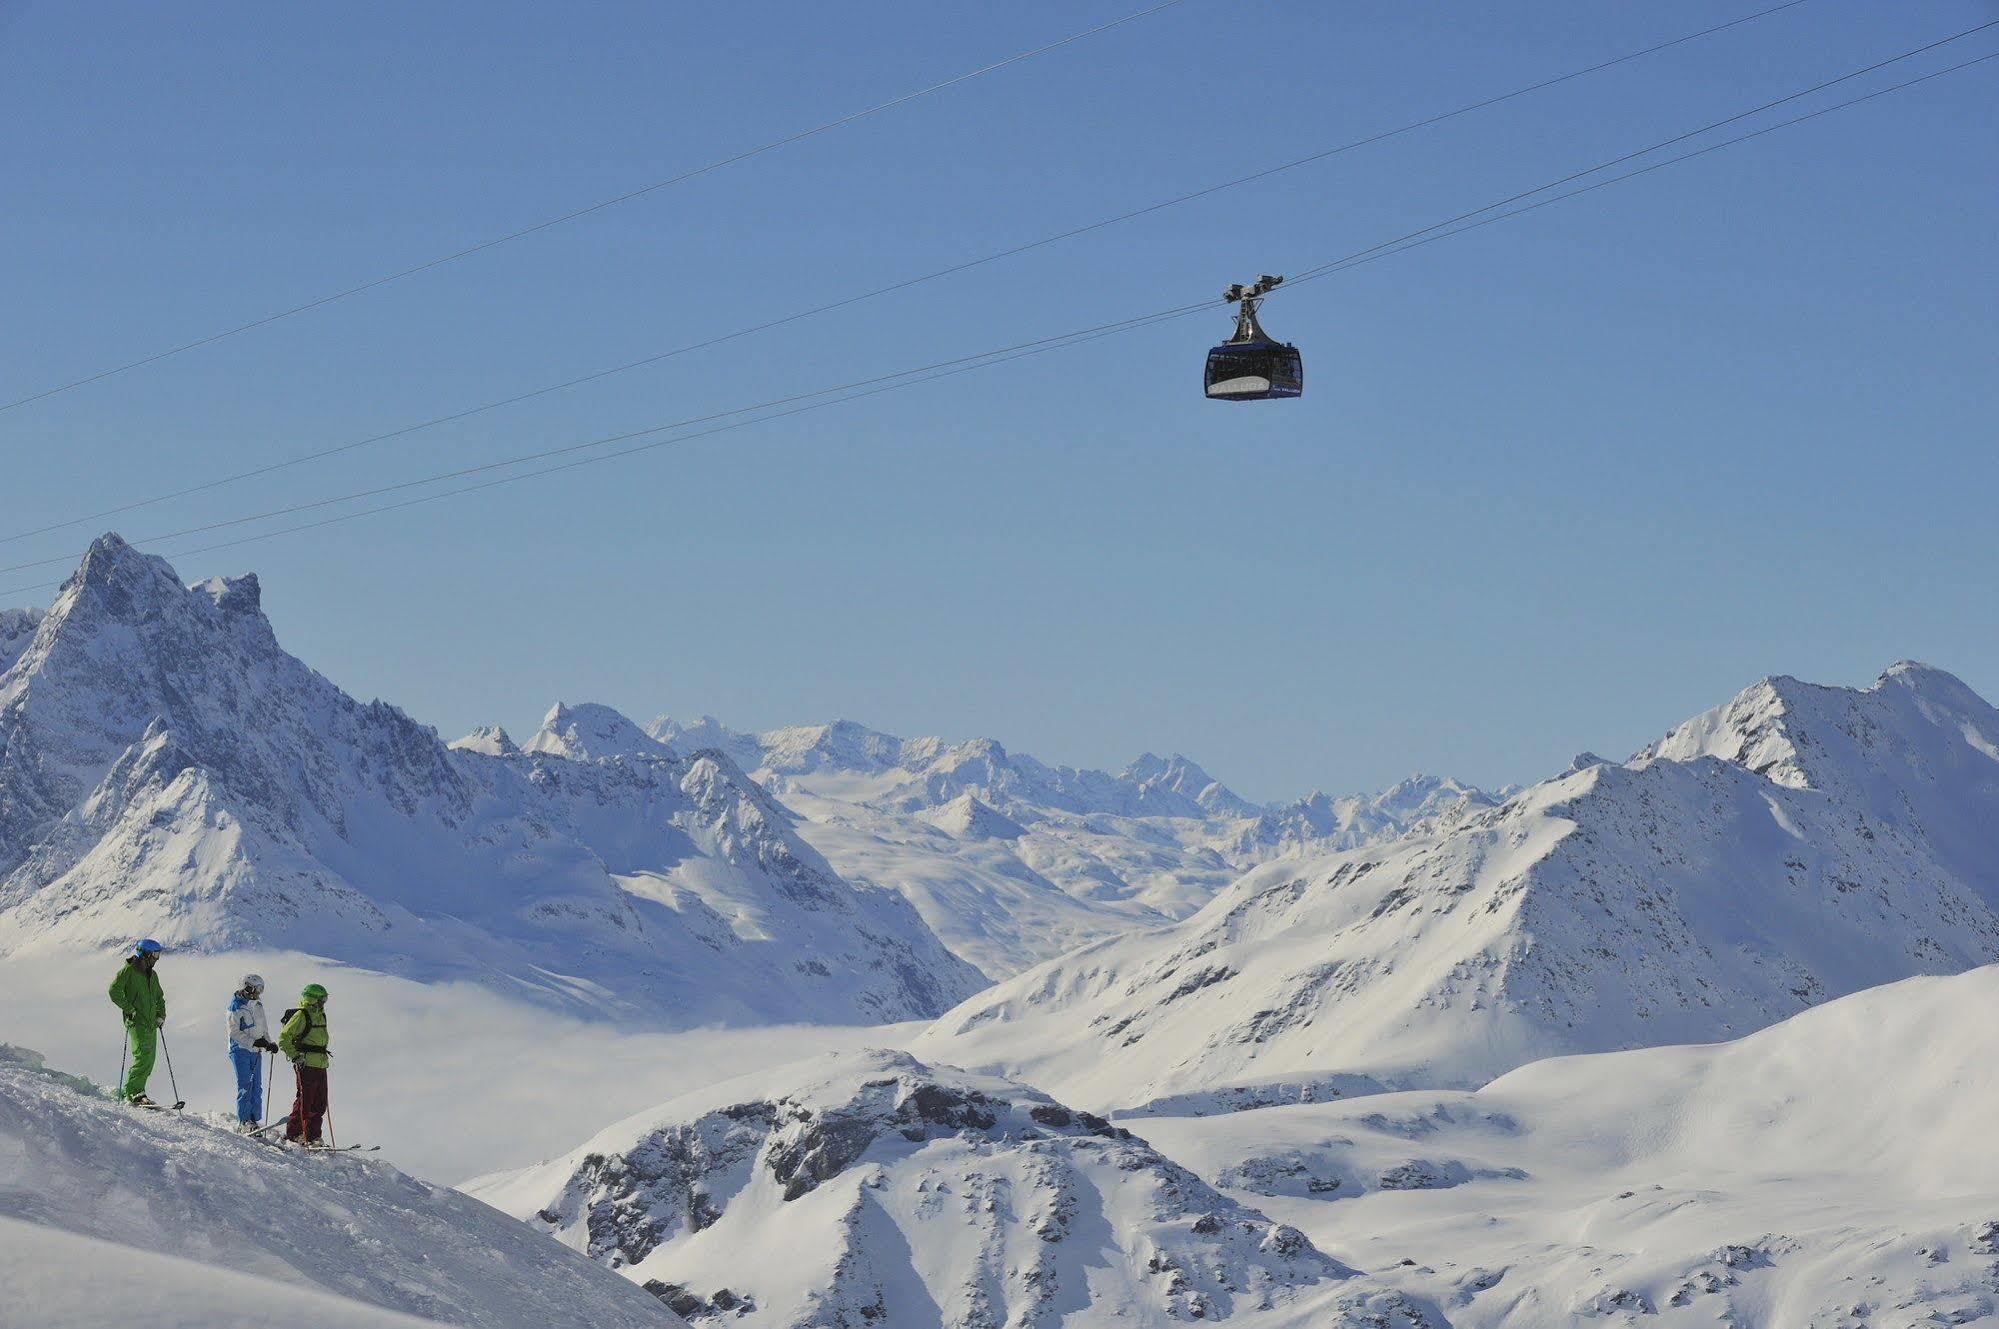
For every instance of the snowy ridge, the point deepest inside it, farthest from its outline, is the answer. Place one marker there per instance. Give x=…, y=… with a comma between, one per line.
x=1319, y=822
x=310, y=1236
x=1834, y=1169
x=916, y=774
x=873, y=1189
x=1680, y=897
x=167, y=769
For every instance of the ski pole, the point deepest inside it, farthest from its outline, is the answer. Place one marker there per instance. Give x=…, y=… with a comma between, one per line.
x=178, y=1100
x=124, y=1050
x=270, y=1070
x=332, y=1141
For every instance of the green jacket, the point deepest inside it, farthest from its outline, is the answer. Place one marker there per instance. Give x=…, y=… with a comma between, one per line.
x=137, y=993
x=304, y=1038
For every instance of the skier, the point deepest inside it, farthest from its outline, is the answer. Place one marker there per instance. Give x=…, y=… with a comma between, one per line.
x=135, y=990
x=248, y=1036
x=303, y=1040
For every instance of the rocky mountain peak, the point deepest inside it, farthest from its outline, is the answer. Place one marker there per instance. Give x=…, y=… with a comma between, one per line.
x=804, y=1192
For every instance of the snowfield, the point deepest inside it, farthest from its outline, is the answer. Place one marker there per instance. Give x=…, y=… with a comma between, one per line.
x=1835, y=1170
x=103, y=1189
x=1796, y=844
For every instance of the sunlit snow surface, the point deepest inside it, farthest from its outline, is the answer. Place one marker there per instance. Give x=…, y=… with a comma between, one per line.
x=1834, y=1170
x=180, y=1196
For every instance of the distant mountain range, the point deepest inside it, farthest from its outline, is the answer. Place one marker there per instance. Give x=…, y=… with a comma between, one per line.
x=1013, y=861
x=1795, y=844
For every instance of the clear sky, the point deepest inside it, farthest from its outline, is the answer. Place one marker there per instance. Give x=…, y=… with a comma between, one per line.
x=1556, y=484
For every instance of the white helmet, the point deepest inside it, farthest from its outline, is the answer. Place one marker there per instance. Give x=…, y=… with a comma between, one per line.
x=253, y=983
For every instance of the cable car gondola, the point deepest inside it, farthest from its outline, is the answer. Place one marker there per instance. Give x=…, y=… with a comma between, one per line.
x=1250, y=366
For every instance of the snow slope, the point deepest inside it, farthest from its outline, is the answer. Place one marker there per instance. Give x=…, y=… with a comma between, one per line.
x=167, y=769
x=1835, y=1170
x=873, y=1189
x=1010, y=860
x=1797, y=844
x=78, y=1171
x=52, y=1279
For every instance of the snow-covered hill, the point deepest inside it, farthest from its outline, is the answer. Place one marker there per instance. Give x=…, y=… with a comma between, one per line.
x=871, y=1189
x=198, y=1226
x=1794, y=845
x=1834, y=1170
x=167, y=769
x=1010, y=860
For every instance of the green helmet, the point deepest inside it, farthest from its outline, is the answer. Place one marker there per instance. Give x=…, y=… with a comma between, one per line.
x=313, y=992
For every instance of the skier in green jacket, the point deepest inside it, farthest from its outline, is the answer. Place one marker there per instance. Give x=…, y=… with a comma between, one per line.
x=303, y=1040
x=135, y=991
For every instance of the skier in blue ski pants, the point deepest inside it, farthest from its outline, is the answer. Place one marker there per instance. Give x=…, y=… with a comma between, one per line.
x=249, y=1039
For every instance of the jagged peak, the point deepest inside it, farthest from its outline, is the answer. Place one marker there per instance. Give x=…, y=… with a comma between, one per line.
x=114, y=574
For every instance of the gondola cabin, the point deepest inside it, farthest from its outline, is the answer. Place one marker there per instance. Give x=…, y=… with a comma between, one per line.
x=1251, y=365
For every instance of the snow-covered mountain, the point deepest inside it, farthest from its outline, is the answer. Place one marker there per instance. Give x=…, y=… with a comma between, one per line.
x=1797, y=844
x=167, y=769
x=1010, y=860
x=1320, y=823
x=197, y=1226
x=871, y=1189
x=1835, y=1169
x=913, y=774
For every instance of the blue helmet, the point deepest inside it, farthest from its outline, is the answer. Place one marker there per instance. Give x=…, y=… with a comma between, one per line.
x=148, y=947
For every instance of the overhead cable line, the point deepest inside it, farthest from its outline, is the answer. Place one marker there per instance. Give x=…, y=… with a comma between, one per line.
x=964, y=364
x=1309, y=273
x=584, y=211
x=596, y=375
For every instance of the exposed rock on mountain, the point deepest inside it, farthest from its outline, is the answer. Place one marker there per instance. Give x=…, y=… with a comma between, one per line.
x=17, y=629
x=872, y=1189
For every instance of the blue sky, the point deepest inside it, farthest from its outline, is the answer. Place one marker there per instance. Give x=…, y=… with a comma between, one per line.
x=1556, y=485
